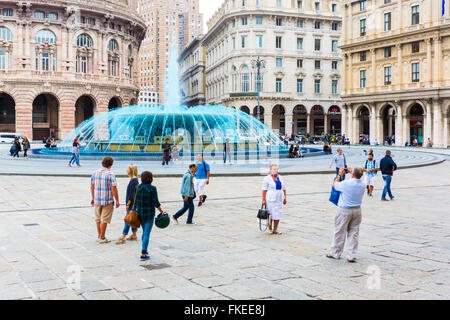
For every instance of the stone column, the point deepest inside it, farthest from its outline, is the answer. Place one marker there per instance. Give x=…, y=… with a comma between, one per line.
x=325, y=123
x=350, y=76
x=373, y=124
x=399, y=141
x=399, y=66
x=446, y=137
x=308, y=123
x=349, y=134
x=288, y=118
x=24, y=113
x=344, y=74
x=428, y=128
x=405, y=128
x=343, y=119
x=374, y=69
x=437, y=128
x=429, y=63
x=437, y=61
x=379, y=129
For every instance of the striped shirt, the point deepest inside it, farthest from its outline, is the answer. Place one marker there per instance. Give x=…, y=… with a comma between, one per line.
x=369, y=165
x=103, y=181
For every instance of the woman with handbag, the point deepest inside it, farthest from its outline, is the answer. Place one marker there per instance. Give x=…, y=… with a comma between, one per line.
x=274, y=197
x=146, y=202
x=132, y=172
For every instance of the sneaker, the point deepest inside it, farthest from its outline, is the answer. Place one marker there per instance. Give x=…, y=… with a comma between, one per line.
x=384, y=199
x=200, y=203
x=191, y=223
x=78, y=165
x=69, y=165
x=175, y=219
x=204, y=199
x=392, y=198
x=144, y=257
x=102, y=241
x=351, y=260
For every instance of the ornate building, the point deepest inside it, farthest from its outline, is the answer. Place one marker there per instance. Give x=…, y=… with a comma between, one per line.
x=396, y=70
x=298, y=40
x=63, y=61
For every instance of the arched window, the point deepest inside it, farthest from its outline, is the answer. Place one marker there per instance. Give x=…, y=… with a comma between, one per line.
x=45, y=50
x=45, y=35
x=85, y=54
x=5, y=34
x=113, y=58
x=5, y=49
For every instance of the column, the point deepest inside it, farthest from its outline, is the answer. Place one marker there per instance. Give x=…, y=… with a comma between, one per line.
x=399, y=66
x=405, y=128
x=428, y=128
x=446, y=133
x=400, y=15
x=437, y=61
x=308, y=123
x=379, y=129
x=349, y=134
x=325, y=123
x=288, y=119
x=429, y=62
x=344, y=75
x=373, y=124
x=344, y=119
x=399, y=141
x=350, y=77
x=374, y=69
x=437, y=128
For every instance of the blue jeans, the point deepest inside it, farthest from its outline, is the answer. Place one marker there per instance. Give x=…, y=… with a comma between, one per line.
x=126, y=230
x=146, y=229
x=187, y=205
x=387, y=186
x=75, y=158
x=337, y=173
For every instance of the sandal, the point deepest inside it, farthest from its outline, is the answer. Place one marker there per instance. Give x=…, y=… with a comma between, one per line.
x=132, y=238
x=120, y=241
x=276, y=232
x=330, y=256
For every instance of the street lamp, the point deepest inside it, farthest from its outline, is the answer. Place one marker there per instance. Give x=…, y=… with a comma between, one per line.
x=258, y=64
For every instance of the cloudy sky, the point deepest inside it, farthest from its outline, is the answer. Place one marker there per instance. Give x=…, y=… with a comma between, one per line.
x=208, y=7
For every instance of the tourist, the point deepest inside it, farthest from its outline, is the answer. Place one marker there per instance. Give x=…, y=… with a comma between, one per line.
x=429, y=143
x=387, y=167
x=26, y=147
x=291, y=151
x=226, y=151
x=376, y=143
x=146, y=202
x=48, y=142
x=371, y=169
x=175, y=153
x=348, y=218
x=188, y=195
x=166, y=152
x=297, y=151
x=17, y=149
x=201, y=179
x=12, y=150
x=339, y=162
x=75, y=153
x=130, y=199
x=274, y=197
x=104, y=192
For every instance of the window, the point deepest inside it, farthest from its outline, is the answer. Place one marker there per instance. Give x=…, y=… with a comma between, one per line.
x=387, y=75
x=415, y=47
x=245, y=82
x=415, y=15
x=387, y=52
x=278, y=85
x=2, y=60
x=8, y=12
x=259, y=41
x=334, y=46
x=45, y=35
x=334, y=86
x=317, y=25
x=316, y=85
x=387, y=1
x=317, y=44
x=362, y=78
x=334, y=7
x=39, y=14
x=363, y=56
x=317, y=64
x=299, y=63
x=387, y=21
x=84, y=40
x=84, y=61
x=334, y=65
x=279, y=22
x=299, y=4
x=279, y=62
x=244, y=21
x=233, y=41
x=299, y=43
x=244, y=3
x=278, y=41
x=259, y=83
x=233, y=23
x=113, y=60
x=259, y=20
x=278, y=3
x=317, y=6
x=335, y=26
x=299, y=85
x=362, y=27
x=244, y=42
x=113, y=45
x=258, y=3
x=300, y=24
x=362, y=5
x=5, y=34
x=415, y=72
x=52, y=16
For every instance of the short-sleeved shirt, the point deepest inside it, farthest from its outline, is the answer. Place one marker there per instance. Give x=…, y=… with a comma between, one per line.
x=352, y=193
x=369, y=165
x=103, y=181
x=202, y=170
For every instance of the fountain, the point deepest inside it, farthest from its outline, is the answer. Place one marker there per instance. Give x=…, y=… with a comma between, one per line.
x=139, y=131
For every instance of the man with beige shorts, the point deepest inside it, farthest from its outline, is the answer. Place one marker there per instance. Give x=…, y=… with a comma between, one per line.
x=104, y=192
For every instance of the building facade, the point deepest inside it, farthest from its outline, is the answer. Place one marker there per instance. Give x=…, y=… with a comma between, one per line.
x=164, y=19
x=298, y=40
x=192, y=62
x=63, y=61
x=396, y=70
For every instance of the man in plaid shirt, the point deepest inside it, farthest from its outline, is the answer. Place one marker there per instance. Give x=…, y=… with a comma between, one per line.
x=104, y=192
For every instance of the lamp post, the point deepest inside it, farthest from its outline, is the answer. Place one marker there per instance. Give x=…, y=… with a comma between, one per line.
x=258, y=64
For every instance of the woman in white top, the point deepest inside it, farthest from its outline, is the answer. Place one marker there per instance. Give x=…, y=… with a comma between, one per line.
x=274, y=196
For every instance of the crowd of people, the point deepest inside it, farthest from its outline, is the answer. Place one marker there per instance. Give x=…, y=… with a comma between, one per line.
x=18, y=147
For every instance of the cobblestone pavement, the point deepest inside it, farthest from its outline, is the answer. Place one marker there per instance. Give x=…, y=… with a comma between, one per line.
x=47, y=233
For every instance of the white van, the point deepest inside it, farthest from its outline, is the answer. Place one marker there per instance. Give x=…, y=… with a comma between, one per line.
x=7, y=137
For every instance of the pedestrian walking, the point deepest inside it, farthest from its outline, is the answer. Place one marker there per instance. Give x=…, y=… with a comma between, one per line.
x=339, y=162
x=132, y=172
x=166, y=152
x=26, y=146
x=226, y=151
x=387, y=167
x=188, y=195
x=104, y=193
x=146, y=202
x=201, y=179
x=348, y=218
x=175, y=153
x=17, y=149
x=75, y=153
x=371, y=169
x=274, y=197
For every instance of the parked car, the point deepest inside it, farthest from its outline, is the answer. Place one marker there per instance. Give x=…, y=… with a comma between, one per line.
x=7, y=137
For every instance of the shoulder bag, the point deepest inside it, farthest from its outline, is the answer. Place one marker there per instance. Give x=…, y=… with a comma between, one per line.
x=132, y=218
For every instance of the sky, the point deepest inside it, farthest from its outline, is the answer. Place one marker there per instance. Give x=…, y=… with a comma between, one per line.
x=208, y=7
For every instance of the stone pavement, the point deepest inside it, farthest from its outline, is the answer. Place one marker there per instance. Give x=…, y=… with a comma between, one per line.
x=47, y=235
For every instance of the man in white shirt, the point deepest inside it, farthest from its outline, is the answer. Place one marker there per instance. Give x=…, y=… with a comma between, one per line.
x=348, y=218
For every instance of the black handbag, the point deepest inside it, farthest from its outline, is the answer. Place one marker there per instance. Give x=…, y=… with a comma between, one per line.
x=263, y=213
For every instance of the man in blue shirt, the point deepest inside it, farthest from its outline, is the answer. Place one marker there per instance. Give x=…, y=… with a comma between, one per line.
x=371, y=168
x=201, y=179
x=348, y=218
